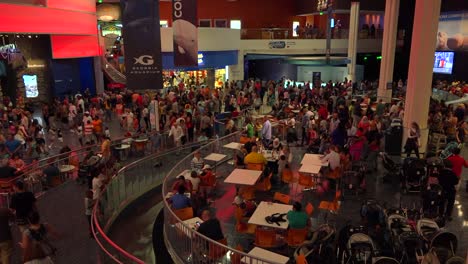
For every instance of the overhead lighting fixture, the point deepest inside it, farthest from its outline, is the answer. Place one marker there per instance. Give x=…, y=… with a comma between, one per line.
x=108, y=12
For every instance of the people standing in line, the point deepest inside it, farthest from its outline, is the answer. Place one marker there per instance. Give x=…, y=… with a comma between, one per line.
x=412, y=142
x=266, y=132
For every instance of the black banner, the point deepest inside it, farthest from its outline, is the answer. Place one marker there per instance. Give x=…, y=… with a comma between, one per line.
x=184, y=25
x=142, y=42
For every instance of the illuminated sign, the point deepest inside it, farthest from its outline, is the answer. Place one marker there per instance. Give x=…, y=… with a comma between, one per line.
x=201, y=62
x=30, y=82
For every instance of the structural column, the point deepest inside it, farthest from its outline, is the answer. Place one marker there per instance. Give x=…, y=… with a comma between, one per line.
x=418, y=93
x=352, y=40
x=388, y=49
x=210, y=78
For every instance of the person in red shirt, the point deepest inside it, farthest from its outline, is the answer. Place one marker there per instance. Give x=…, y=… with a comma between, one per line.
x=458, y=162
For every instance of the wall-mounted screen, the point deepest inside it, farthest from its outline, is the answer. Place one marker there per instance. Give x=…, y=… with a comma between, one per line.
x=30, y=83
x=443, y=62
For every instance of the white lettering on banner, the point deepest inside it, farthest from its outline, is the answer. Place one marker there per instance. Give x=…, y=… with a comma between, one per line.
x=144, y=60
x=177, y=8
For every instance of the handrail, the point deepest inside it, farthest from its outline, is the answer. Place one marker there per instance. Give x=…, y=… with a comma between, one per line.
x=97, y=225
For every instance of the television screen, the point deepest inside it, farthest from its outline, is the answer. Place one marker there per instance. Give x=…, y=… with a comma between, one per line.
x=30, y=82
x=443, y=62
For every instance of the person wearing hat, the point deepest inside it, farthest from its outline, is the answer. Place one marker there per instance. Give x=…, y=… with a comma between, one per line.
x=206, y=176
x=181, y=181
x=276, y=145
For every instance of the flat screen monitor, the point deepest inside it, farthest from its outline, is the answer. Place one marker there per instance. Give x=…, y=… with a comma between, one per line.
x=443, y=62
x=30, y=83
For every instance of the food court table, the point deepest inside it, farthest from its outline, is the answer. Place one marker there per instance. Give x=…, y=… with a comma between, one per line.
x=264, y=254
x=233, y=145
x=216, y=157
x=65, y=170
x=310, y=168
x=122, y=149
x=243, y=177
x=265, y=209
x=140, y=144
x=313, y=159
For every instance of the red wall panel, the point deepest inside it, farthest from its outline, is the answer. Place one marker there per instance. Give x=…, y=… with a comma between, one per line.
x=78, y=5
x=253, y=14
x=74, y=46
x=41, y=20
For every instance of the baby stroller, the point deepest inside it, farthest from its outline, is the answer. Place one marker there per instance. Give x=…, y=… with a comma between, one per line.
x=407, y=244
x=434, y=166
x=385, y=260
x=350, y=181
x=434, y=237
x=390, y=166
x=448, y=151
x=319, y=249
x=354, y=245
x=413, y=174
x=372, y=214
x=432, y=198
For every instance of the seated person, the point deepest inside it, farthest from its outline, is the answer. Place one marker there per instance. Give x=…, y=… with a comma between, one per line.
x=276, y=145
x=7, y=171
x=254, y=157
x=182, y=181
x=333, y=158
x=197, y=162
x=210, y=227
x=179, y=200
x=195, y=180
x=207, y=176
x=297, y=218
x=240, y=155
x=16, y=162
x=246, y=205
x=248, y=146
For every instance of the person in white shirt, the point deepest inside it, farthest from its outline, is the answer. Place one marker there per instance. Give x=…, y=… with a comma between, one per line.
x=333, y=158
x=197, y=162
x=195, y=180
x=266, y=132
x=177, y=133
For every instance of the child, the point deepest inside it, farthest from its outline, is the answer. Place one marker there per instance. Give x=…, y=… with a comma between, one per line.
x=107, y=132
x=59, y=136
x=89, y=204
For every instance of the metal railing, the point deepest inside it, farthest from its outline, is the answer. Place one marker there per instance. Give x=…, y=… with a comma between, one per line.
x=312, y=33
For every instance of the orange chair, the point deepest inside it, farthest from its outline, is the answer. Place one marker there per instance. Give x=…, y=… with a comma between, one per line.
x=215, y=251
x=236, y=257
x=254, y=166
x=281, y=197
x=241, y=225
x=309, y=209
x=306, y=181
x=296, y=237
x=335, y=174
x=301, y=259
x=244, y=139
x=265, y=238
x=288, y=176
x=184, y=213
x=247, y=193
x=333, y=206
x=264, y=184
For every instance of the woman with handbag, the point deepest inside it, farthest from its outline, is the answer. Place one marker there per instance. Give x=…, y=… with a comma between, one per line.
x=35, y=242
x=412, y=142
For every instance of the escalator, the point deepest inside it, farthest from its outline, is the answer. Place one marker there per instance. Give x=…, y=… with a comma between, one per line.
x=113, y=74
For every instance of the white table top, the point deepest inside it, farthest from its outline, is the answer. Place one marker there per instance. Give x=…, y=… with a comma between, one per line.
x=66, y=168
x=268, y=154
x=243, y=177
x=313, y=159
x=265, y=209
x=264, y=255
x=140, y=140
x=191, y=223
x=233, y=145
x=215, y=157
x=310, y=168
x=123, y=146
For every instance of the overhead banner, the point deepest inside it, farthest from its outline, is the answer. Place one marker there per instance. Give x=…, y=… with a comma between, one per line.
x=453, y=31
x=142, y=40
x=184, y=17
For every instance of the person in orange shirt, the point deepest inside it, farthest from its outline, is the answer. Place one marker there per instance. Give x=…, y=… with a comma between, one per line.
x=97, y=127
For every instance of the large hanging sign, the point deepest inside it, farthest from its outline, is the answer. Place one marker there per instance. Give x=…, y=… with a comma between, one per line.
x=184, y=17
x=453, y=31
x=141, y=32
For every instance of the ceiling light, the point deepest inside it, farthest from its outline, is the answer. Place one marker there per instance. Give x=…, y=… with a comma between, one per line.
x=108, y=12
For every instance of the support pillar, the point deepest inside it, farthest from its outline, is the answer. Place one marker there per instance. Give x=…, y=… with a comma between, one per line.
x=388, y=49
x=236, y=72
x=98, y=75
x=352, y=40
x=418, y=93
x=210, y=78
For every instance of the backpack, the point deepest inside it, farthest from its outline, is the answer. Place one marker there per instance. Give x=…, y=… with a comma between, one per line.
x=276, y=218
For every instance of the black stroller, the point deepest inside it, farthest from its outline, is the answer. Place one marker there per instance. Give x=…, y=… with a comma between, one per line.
x=320, y=248
x=413, y=174
x=434, y=166
x=432, y=199
x=391, y=167
x=355, y=246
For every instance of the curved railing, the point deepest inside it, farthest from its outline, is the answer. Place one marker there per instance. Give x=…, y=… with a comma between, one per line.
x=127, y=185
x=185, y=244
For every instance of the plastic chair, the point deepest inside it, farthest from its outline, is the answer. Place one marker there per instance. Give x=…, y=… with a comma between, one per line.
x=236, y=257
x=306, y=181
x=288, y=176
x=247, y=193
x=296, y=237
x=264, y=184
x=254, y=166
x=215, y=251
x=309, y=209
x=184, y=213
x=301, y=259
x=333, y=206
x=241, y=225
x=281, y=197
x=244, y=139
x=265, y=238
